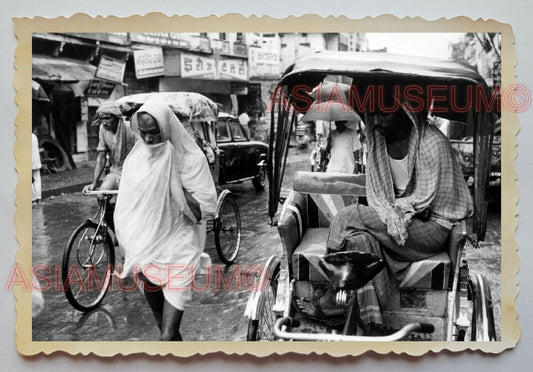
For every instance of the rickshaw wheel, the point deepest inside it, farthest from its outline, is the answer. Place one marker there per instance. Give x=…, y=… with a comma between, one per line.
x=262, y=328
x=259, y=182
x=483, y=325
x=53, y=157
x=227, y=229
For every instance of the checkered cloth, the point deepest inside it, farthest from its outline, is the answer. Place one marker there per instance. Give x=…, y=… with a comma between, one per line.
x=359, y=228
x=388, y=227
x=436, y=181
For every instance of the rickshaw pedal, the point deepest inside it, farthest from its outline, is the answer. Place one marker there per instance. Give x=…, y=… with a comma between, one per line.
x=293, y=323
x=426, y=328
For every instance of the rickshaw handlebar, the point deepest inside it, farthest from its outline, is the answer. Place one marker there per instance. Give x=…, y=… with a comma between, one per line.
x=296, y=336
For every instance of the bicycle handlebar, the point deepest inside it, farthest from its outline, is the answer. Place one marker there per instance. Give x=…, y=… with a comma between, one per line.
x=100, y=192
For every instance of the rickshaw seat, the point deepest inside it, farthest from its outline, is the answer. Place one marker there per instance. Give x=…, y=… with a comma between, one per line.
x=305, y=218
x=330, y=183
x=436, y=272
x=304, y=227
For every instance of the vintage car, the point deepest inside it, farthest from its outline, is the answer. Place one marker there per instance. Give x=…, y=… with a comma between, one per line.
x=240, y=158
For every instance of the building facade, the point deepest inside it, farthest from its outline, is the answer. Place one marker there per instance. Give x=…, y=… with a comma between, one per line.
x=78, y=71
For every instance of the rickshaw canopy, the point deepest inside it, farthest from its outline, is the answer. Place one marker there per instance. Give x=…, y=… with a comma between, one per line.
x=449, y=89
x=359, y=64
x=188, y=106
x=443, y=86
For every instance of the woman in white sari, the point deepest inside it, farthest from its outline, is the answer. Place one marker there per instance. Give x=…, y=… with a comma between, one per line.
x=165, y=196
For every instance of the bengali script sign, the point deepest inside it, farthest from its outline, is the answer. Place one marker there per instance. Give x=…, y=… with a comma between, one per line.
x=263, y=62
x=111, y=69
x=232, y=69
x=148, y=62
x=196, y=66
x=160, y=38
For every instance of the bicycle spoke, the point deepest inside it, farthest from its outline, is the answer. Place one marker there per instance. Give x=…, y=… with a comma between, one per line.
x=87, y=267
x=228, y=231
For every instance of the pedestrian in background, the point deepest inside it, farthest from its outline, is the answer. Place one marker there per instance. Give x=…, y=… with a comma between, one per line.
x=36, y=170
x=244, y=119
x=343, y=147
x=116, y=140
x=165, y=196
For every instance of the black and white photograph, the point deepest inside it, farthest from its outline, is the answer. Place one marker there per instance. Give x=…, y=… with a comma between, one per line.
x=267, y=186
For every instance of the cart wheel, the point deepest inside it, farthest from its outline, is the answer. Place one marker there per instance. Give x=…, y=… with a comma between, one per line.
x=88, y=263
x=261, y=180
x=261, y=326
x=483, y=326
x=228, y=230
x=53, y=157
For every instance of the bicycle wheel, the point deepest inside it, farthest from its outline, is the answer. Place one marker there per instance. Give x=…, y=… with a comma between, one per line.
x=88, y=263
x=262, y=327
x=228, y=230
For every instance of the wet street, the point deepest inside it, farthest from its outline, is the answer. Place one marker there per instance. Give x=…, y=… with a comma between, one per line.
x=216, y=312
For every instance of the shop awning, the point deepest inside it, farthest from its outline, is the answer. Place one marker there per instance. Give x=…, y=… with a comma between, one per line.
x=75, y=39
x=65, y=70
x=38, y=93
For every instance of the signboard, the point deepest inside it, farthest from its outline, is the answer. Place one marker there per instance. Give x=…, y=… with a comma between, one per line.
x=99, y=88
x=148, y=62
x=110, y=37
x=160, y=38
x=111, y=69
x=232, y=69
x=263, y=62
x=196, y=66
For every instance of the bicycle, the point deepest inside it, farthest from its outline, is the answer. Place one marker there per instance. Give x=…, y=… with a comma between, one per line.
x=89, y=257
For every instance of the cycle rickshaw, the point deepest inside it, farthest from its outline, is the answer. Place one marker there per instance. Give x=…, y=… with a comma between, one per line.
x=89, y=257
x=440, y=298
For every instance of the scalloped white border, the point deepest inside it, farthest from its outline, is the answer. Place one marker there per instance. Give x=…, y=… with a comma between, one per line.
x=158, y=22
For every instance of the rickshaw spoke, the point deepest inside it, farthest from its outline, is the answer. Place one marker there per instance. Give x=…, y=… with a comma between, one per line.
x=228, y=232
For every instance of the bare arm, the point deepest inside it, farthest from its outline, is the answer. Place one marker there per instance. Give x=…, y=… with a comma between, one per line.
x=99, y=167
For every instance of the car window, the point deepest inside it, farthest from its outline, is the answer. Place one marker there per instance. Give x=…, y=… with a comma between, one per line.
x=223, y=131
x=236, y=131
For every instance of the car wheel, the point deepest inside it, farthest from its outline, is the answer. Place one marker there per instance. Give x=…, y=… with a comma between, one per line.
x=261, y=179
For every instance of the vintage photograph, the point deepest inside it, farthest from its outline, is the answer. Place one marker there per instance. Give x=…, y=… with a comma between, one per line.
x=266, y=186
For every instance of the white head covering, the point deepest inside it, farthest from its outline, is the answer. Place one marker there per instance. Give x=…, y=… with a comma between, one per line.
x=151, y=215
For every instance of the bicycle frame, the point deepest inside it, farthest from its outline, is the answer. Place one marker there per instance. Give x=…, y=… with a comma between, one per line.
x=100, y=217
x=88, y=259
